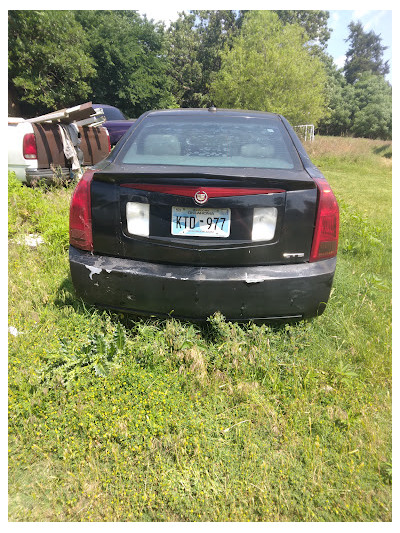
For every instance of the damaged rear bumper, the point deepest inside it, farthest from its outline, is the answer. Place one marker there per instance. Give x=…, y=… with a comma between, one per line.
x=194, y=293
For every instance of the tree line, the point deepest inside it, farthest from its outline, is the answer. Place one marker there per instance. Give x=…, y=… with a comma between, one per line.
x=264, y=60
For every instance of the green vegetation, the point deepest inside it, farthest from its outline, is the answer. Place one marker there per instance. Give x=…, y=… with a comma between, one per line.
x=194, y=43
x=49, y=61
x=264, y=60
x=115, y=419
x=365, y=53
x=266, y=45
x=130, y=58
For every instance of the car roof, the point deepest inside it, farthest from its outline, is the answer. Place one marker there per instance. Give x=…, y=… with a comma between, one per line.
x=104, y=106
x=213, y=110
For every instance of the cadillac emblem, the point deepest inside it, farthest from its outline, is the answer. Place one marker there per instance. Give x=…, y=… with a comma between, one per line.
x=201, y=197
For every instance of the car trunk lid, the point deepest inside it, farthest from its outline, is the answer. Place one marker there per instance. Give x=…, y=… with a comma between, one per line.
x=224, y=202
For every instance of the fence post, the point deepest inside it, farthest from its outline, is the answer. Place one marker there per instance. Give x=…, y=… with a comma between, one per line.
x=308, y=130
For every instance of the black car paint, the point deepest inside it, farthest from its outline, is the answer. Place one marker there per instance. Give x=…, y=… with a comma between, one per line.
x=296, y=216
x=191, y=279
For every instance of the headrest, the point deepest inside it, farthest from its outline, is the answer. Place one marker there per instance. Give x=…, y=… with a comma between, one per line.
x=256, y=150
x=161, y=144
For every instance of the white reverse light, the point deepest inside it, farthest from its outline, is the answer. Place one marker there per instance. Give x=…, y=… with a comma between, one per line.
x=264, y=223
x=137, y=218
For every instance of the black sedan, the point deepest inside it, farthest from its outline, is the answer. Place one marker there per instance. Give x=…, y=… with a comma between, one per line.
x=204, y=210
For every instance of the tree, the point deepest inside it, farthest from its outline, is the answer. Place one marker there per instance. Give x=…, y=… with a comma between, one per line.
x=362, y=109
x=373, y=115
x=340, y=101
x=185, y=69
x=195, y=42
x=269, y=68
x=365, y=54
x=314, y=23
x=49, y=63
x=131, y=63
x=216, y=30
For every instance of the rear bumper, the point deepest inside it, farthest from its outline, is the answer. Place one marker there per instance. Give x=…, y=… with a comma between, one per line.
x=194, y=293
x=20, y=170
x=48, y=175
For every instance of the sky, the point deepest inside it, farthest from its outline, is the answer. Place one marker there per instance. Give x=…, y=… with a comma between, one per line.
x=379, y=21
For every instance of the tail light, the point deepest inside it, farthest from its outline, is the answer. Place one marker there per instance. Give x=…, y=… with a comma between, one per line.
x=80, y=216
x=29, y=146
x=326, y=232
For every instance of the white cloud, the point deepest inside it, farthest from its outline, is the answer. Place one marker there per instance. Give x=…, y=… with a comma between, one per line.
x=359, y=14
x=166, y=14
x=370, y=18
x=339, y=61
x=373, y=22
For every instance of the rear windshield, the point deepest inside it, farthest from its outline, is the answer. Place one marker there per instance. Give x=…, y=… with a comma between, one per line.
x=213, y=141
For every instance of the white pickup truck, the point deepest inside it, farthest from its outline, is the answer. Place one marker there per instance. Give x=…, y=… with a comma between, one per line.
x=21, y=155
x=55, y=144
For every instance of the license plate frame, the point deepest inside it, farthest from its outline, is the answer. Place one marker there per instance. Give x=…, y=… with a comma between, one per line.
x=200, y=222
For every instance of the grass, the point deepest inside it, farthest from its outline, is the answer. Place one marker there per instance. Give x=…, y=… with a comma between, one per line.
x=369, y=189
x=115, y=419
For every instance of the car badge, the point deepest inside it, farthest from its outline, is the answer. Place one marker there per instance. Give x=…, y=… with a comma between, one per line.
x=201, y=197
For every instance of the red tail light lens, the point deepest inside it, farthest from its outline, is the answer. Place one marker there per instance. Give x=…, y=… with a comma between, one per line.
x=326, y=232
x=29, y=146
x=80, y=216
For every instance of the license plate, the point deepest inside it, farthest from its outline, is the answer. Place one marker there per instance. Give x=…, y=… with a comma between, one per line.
x=200, y=222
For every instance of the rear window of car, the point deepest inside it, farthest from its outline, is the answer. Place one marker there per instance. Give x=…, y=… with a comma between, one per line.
x=213, y=141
